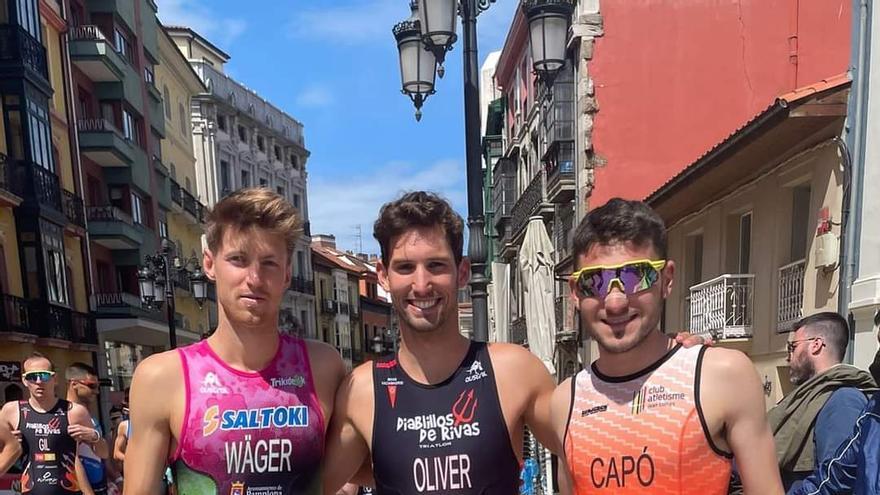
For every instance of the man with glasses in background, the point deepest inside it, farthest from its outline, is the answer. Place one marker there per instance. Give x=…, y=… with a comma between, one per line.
x=818, y=415
x=82, y=389
x=50, y=430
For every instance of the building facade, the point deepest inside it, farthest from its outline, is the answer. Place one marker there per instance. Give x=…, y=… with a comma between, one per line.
x=44, y=272
x=242, y=140
x=337, y=282
x=114, y=52
x=754, y=231
x=183, y=216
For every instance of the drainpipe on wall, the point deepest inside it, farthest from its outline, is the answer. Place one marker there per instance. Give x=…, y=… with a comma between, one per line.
x=855, y=159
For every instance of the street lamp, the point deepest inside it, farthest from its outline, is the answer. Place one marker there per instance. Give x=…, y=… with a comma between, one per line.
x=417, y=63
x=435, y=19
x=156, y=280
x=548, y=28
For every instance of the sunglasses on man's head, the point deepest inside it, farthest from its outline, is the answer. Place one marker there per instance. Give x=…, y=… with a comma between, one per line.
x=38, y=376
x=630, y=277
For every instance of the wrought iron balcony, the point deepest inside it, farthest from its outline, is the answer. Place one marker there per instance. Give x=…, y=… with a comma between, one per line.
x=8, y=180
x=21, y=54
x=60, y=323
x=176, y=193
x=518, y=333
x=307, y=229
x=343, y=308
x=41, y=185
x=528, y=203
x=328, y=307
x=83, y=328
x=190, y=203
x=303, y=285
x=791, y=295
x=723, y=307
x=15, y=316
x=563, y=230
x=560, y=173
x=73, y=208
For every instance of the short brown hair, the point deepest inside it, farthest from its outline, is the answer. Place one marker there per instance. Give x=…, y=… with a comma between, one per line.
x=254, y=207
x=36, y=355
x=418, y=209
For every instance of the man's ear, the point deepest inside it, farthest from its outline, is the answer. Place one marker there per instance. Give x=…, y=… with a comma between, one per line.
x=464, y=272
x=668, y=275
x=208, y=263
x=382, y=273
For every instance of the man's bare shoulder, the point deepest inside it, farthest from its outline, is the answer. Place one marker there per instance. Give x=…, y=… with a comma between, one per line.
x=324, y=358
x=9, y=411
x=726, y=365
x=78, y=411
x=159, y=369
x=508, y=357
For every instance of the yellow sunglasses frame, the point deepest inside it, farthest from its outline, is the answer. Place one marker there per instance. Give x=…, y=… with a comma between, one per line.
x=656, y=264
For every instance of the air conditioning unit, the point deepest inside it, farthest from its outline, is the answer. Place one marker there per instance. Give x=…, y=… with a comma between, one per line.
x=827, y=250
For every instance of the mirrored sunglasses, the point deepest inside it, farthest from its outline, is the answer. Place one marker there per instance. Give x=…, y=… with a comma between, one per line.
x=38, y=376
x=630, y=277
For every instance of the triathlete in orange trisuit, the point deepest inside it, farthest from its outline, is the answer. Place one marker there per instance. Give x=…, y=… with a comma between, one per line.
x=651, y=416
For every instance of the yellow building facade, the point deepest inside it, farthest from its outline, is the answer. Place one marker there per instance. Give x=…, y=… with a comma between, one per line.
x=178, y=83
x=44, y=277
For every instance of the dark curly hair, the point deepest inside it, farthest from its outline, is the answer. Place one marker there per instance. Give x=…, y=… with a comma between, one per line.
x=418, y=209
x=618, y=221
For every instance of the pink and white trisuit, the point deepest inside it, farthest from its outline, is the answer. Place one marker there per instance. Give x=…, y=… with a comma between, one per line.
x=249, y=433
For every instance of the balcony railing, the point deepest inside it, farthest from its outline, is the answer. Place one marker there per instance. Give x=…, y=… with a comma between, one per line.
x=791, y=295
x=83, y=328
x=723, y=307
x=15, y=316
x=96, y=124
x=528, y=202
x=73, y=208
x=343, y=308
x=564, y=227
x=87, y=32
x=16, y=45
x=176, y=193
x=303, y=285
x=117, y=299
x=8, y=180
x=518, y=334
x=41, y=184
x=108, y=213
x=328, y=306
x=307, y=229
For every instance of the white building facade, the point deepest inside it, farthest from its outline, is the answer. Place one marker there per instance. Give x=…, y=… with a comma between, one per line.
x=241, y=140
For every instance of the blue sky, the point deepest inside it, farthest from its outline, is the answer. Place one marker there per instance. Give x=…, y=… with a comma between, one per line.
x=333, y=66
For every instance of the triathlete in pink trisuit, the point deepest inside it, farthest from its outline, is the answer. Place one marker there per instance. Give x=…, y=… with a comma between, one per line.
x=243, y=412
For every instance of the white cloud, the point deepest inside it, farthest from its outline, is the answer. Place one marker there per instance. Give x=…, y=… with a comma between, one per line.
x=198, y=15
x=361, y=21
x=315, y=96
x=337, y=205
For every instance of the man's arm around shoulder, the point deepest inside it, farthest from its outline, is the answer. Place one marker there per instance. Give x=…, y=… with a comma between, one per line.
x=147, y=450
x=744, y=417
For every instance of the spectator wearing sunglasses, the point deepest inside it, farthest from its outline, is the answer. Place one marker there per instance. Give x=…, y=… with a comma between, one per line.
x=816, y=417
x=650, y=414
x=82, y=389
x=50, y=430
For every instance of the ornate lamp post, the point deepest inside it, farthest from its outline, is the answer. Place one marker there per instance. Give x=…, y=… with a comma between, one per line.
x=435, y=21
x=156, y=280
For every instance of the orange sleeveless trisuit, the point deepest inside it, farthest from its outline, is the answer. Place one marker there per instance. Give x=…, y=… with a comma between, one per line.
x=644, y=433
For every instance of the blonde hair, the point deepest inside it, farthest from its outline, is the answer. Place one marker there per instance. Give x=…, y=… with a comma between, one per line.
x=253, y=207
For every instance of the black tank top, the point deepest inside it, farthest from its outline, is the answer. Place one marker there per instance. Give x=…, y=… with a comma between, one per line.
x=51, y=451
x=446, y=438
